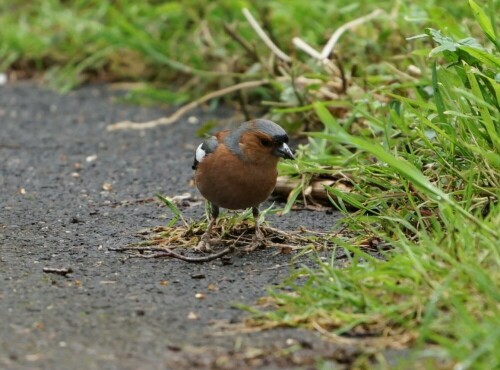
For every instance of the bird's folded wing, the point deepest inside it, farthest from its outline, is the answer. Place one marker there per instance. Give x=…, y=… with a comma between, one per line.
x=204, y=149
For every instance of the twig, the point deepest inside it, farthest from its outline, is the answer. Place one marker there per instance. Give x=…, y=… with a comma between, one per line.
x=128, y=125
x=59, y=271
x=398, y=341
x=240, y=40
x=323, y=56
x=260, y=32
x=304, y=46
x=277, y=267
x=349, y=25
x=127, y=202
x=169, y=253
x=138, y=248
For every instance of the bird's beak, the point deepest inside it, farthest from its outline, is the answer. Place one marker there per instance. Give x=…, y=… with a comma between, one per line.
x=284, y=151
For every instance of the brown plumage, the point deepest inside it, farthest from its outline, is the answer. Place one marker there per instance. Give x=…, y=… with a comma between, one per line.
x=238, y=169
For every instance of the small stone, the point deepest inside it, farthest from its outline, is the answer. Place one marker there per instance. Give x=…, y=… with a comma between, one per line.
x=33, y=357
x=107, y=186
x=213, y=287
x=193, y=120
x=414, y=71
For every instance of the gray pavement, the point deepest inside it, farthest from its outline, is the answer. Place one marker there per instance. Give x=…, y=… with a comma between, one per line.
x=63, y=183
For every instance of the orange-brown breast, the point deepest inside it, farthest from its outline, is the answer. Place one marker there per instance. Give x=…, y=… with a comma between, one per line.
x=228, y=182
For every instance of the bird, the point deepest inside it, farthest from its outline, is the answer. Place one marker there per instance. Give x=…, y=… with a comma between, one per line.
x=237, y=169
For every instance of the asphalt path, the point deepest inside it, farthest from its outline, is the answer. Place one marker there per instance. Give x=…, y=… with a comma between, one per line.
x=69, y=190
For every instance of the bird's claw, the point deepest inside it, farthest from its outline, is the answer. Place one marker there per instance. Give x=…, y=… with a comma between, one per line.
x=259, y=235
x=258, y=241
x=204, y=245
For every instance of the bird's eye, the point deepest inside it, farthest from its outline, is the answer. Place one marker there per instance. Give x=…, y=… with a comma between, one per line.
x=265, y=142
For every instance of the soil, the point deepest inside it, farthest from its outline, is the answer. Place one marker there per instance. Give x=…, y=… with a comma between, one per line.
x=69, y=191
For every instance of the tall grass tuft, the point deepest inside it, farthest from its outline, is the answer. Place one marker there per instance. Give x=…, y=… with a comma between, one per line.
x=426, y=177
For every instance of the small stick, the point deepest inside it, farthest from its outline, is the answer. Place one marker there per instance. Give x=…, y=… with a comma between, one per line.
x=169, y=253
x=128, y=125
x=263, y=36
x=138, y=248
x=323, y=56
x=59, y=271
x=340, y=31
x=127, y=202
x=304, y=46
x=240, y=40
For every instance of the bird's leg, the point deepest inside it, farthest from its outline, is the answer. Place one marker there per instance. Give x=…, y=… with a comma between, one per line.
x=259, y=235
x=258, y=239
x=204, y=244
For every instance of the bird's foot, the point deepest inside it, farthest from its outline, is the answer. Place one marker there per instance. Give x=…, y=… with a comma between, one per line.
x=258, y=241
x=204, y=244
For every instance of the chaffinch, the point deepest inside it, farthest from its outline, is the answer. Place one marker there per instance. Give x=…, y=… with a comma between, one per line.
x=237, y=169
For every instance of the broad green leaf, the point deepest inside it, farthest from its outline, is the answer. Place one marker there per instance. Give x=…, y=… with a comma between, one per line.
x=446, y=41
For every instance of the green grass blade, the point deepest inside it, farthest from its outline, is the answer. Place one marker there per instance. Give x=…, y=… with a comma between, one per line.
x=484, y=21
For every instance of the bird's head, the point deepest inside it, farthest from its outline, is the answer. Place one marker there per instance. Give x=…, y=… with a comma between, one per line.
x=260, y=141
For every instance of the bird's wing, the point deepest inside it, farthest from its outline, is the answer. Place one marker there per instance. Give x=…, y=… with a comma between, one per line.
x=204, y=149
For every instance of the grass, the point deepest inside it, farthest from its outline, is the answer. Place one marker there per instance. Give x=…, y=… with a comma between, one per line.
x=407, y=108
x=437, y=144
